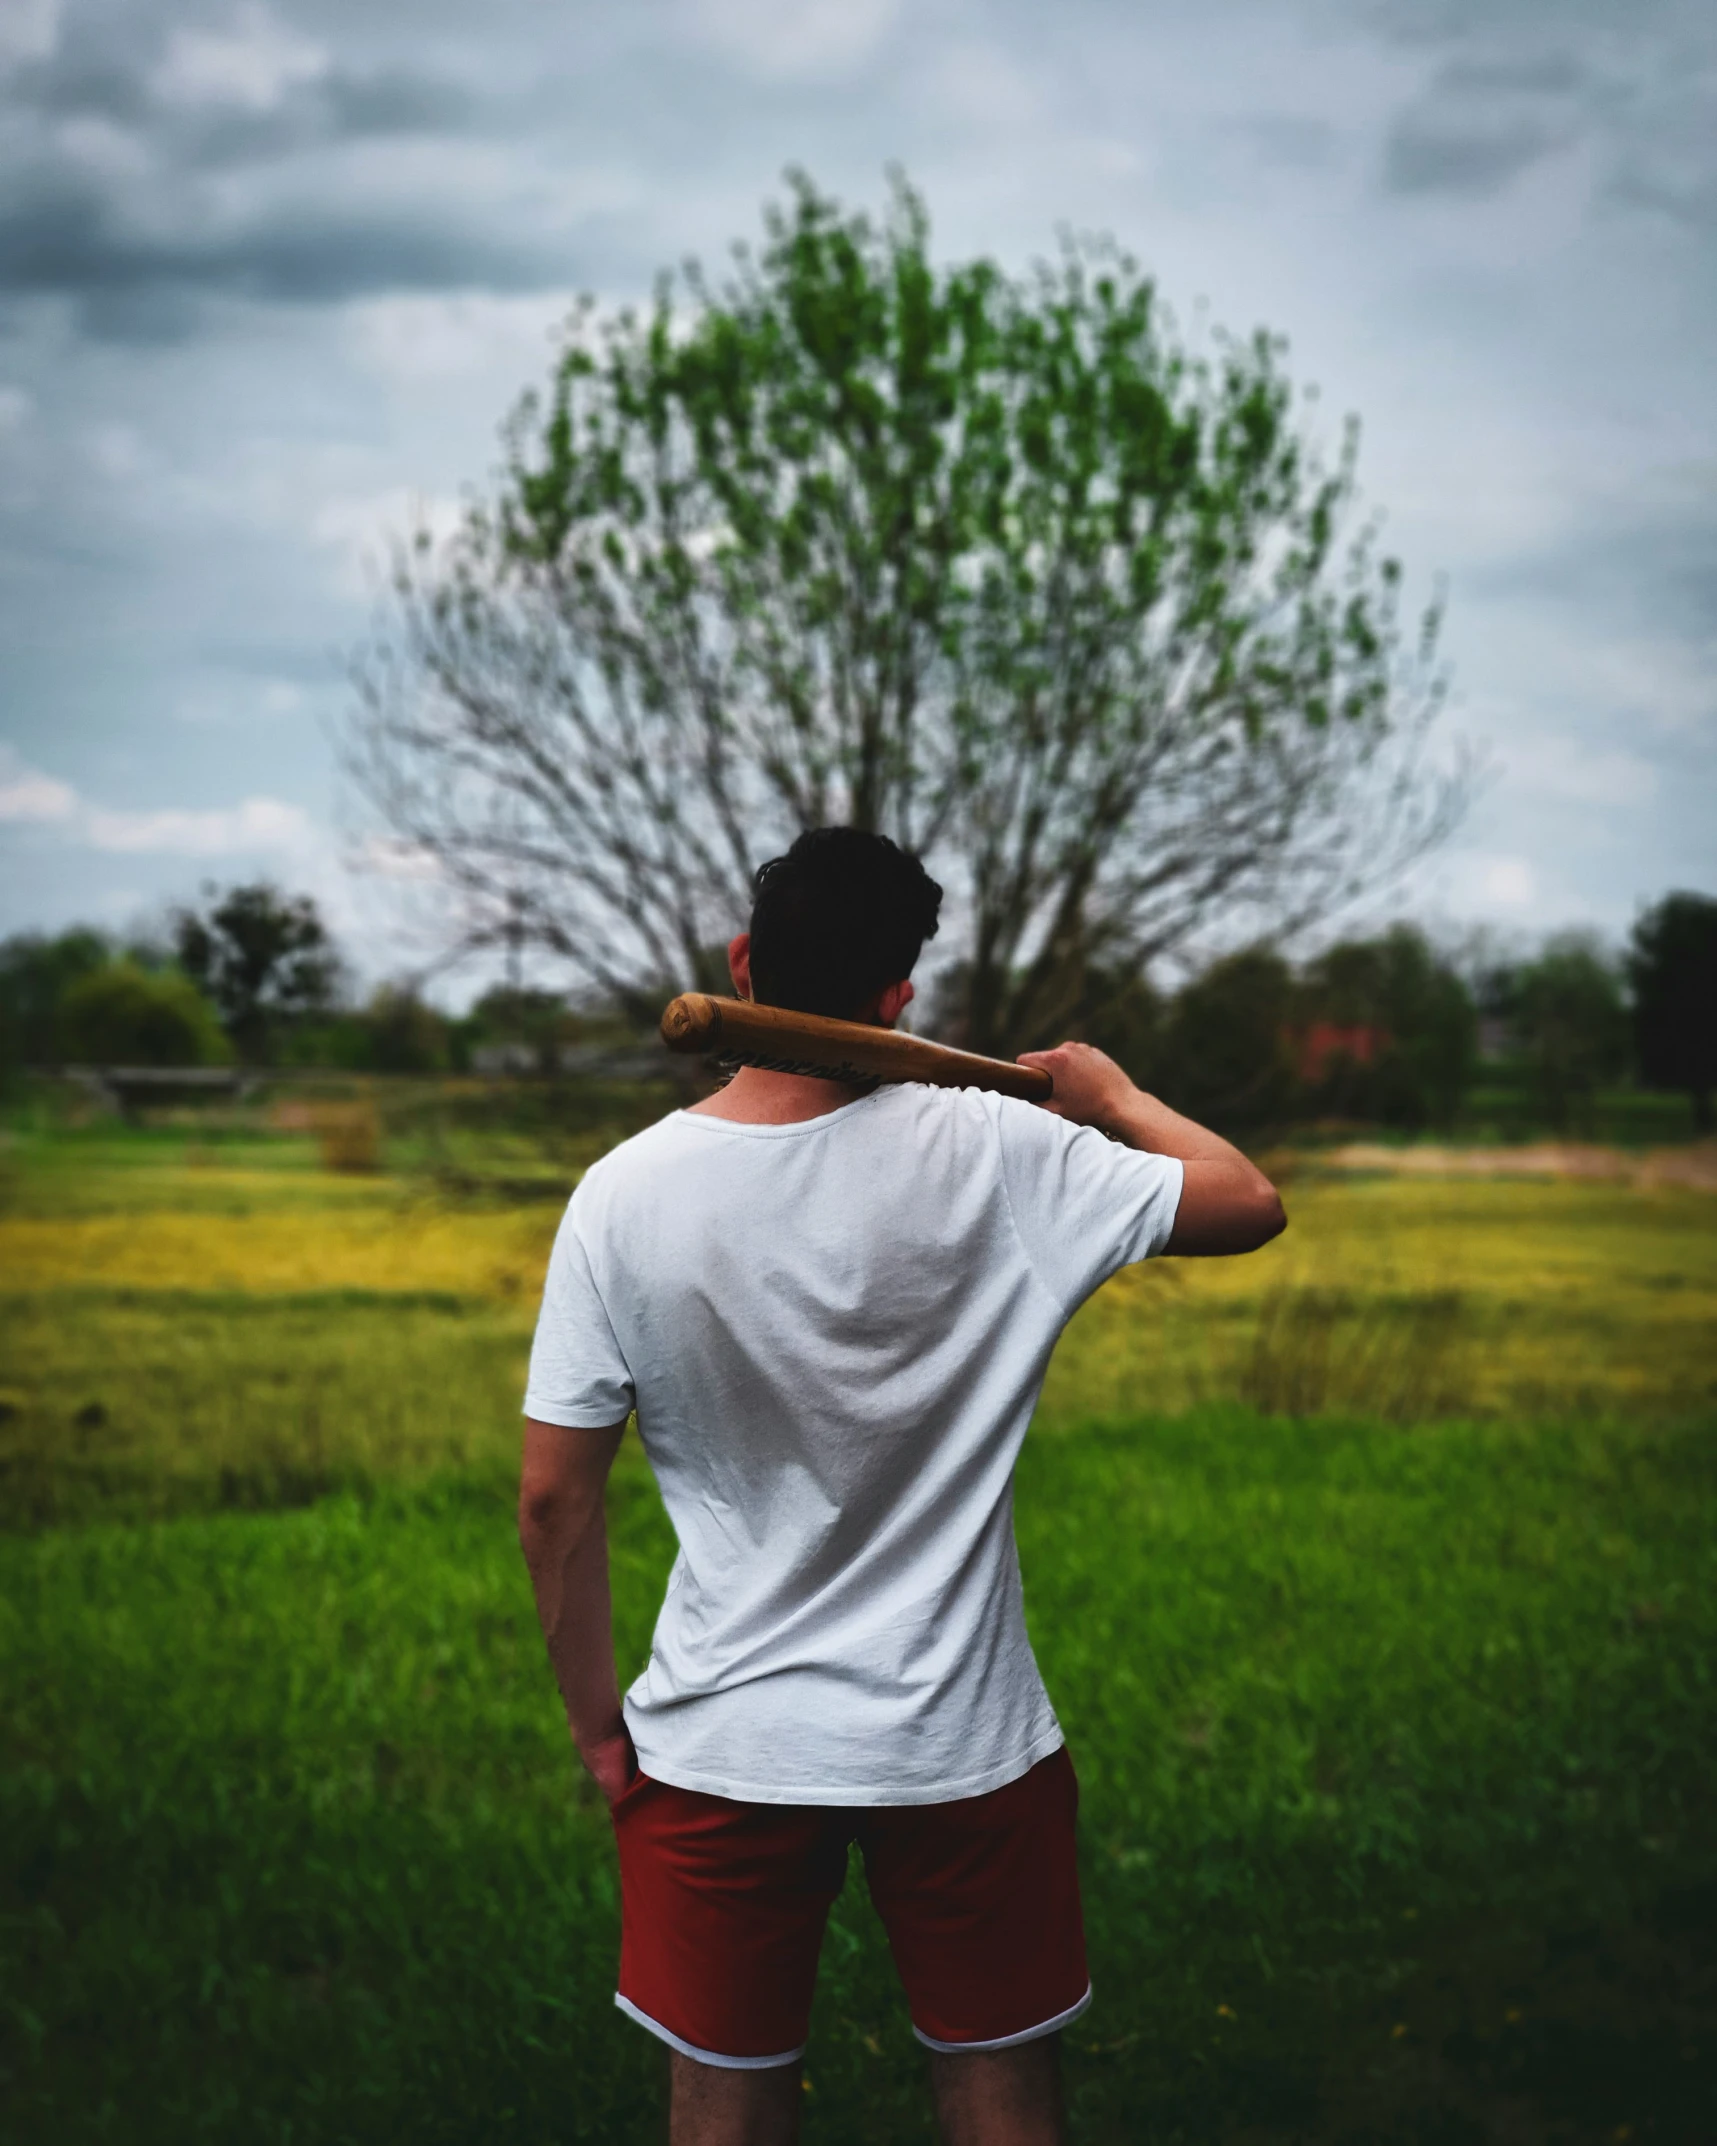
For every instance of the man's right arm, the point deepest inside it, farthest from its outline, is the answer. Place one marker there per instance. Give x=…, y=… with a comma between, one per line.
x=1227, y=1204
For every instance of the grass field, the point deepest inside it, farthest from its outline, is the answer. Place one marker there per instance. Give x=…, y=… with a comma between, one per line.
x=1375, y=1580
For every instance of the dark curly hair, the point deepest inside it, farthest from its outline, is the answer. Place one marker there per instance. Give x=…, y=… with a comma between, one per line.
x=840, y=916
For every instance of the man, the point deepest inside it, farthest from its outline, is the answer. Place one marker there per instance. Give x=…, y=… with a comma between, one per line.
x=832, y=1308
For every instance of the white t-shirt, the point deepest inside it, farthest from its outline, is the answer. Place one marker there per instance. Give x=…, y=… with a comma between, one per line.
x=834, y=1335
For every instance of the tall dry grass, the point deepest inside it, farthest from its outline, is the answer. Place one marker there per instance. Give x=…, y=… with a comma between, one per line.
x=348, y=1136
x=1319, y=1352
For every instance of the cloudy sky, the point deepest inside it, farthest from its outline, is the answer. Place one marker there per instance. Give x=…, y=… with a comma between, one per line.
x=272, y=271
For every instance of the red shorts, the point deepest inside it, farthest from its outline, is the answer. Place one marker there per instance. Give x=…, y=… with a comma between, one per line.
x=723, y=1907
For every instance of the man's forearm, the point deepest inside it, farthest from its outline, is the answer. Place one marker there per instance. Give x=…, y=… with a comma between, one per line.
x=575, y=1608
x=1143, y=1122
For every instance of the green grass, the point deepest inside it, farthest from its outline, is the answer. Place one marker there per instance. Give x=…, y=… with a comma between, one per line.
x=297, y=1849
x=1375, y=1580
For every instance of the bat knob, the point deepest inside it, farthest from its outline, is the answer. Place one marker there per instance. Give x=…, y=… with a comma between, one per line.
x=690, y=1022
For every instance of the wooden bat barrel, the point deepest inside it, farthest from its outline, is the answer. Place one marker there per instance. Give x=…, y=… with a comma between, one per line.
x=788, y=1042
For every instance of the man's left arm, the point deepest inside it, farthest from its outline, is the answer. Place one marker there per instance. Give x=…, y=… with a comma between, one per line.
x=563, y=1531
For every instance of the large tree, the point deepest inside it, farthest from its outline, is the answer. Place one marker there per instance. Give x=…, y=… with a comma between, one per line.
x=992, y=564
x=264, y=958
x=1672, y=967
x=1568, y=1010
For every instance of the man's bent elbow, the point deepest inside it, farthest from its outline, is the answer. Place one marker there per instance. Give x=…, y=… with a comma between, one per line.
x=1272, y=1217
x=1262, y=1216
x=1226, y=1211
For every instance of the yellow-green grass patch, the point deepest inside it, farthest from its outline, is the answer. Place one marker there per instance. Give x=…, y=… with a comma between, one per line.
x=1413, y=1299
x=250, y=1329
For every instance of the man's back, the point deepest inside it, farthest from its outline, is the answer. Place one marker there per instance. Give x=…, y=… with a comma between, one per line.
x=834, y=1332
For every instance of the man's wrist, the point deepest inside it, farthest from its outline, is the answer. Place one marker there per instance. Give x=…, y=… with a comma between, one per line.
x=610, y=1760
x=591, y=1743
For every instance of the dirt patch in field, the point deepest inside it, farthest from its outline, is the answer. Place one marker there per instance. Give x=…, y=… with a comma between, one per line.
x=1695, y=1167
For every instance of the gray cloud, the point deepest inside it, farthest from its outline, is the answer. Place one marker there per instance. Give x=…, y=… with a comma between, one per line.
x=1649, y=564
x=397, y=101
x=1689, y=199
x=112, y=145
x=1443, y=22
x=1519, y=84
x=1483, y=121
x=1427, y=155
x=71, y=239
x=117, y=186
x=1290, y=141
x=331, y=102
x=81, y=83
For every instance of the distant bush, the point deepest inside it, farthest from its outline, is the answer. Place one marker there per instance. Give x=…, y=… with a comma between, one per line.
x=124, y=1014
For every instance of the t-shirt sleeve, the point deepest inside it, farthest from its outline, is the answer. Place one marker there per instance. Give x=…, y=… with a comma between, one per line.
x=1083, y=1205
x=578, y=1375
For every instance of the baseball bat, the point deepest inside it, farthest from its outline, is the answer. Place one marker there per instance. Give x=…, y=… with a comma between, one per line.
x=788, y=1042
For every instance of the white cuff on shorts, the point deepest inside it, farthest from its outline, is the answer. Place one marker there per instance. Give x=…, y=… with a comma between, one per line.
x=791, y=2056
x=1004, y=2041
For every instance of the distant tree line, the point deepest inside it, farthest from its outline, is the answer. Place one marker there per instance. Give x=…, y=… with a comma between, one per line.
x=249, y=976
x=1386, y=1030
x=1392, y=1032
x=1382, y=1031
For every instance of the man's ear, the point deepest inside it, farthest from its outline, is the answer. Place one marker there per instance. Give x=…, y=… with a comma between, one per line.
x=739, y=963
x=892, y=1002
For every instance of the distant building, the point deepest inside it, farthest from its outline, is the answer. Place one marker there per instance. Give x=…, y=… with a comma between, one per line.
x=493, y=1060
x=1325, y=1041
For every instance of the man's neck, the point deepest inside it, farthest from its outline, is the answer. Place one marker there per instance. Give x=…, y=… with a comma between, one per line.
x=757, y=1096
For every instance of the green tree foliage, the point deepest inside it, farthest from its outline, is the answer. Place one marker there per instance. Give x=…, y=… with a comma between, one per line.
x=1124, y=1015
x=403, y=1034
x=124, y=1014
x=1672, y=969
x=35, y=972
x=993, y=564
x=265, y=959
x=1399, y=1032
x=396, y=1031
x=1572, y=1025
x=1226, y=1052
x=539, y=1023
